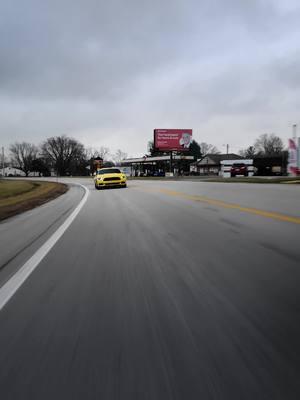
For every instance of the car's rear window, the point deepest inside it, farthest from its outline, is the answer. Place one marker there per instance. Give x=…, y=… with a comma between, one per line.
x=108, y=171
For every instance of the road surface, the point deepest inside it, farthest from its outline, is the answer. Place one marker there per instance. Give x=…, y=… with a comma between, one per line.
x=163, y=290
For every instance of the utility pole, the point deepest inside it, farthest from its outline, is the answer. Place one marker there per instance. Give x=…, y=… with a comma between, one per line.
x=227, y=148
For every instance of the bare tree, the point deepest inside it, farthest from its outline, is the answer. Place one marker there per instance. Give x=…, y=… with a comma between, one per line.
x=269, y=144
x=22, y=155
x=207, y=148
x=119, y=156
x=90, y=152
x=64, y=153
x=103, y=152
x=250, y=152
x=4, y=161
x=93, y=152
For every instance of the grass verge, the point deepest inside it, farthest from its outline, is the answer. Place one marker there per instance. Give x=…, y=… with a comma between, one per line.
x=255, y=180
x=17, y=196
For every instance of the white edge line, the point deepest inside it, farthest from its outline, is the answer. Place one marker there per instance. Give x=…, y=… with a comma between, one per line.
x=17, y=280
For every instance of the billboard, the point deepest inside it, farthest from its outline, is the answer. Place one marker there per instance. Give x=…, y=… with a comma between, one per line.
x=293, y=157
x=172, y=139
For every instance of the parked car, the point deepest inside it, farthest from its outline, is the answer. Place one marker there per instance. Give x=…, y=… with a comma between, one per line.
x=239, y=169
x=158, y=173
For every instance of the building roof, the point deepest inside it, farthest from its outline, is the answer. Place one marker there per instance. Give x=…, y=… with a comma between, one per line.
x=147, y=159
x=215, y=159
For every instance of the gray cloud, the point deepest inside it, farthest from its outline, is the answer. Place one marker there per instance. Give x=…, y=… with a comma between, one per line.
x=109, y=72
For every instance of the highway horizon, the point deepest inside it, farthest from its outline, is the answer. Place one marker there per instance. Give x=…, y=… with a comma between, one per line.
x=163, y=290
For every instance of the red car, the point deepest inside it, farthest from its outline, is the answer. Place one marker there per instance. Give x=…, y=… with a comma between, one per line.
x=239, y=169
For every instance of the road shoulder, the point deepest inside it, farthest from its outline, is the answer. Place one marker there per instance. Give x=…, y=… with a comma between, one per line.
x=22, y=235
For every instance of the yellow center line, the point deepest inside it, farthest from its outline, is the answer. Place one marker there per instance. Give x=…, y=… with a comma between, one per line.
x=223, y=204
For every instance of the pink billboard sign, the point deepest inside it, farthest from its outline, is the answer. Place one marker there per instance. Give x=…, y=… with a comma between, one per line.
x=293, y=158
x=172, y=139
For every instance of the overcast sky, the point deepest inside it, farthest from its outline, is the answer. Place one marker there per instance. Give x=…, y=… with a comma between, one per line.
x=109, y=72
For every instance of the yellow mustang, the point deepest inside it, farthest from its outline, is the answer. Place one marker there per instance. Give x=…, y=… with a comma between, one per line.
x=109, y=177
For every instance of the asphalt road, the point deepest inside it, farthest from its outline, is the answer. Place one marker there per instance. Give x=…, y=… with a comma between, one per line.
x=163, y=290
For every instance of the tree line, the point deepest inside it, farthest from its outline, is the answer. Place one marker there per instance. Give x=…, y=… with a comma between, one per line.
x=67, y=156
x=62, y=154
x=265, y=145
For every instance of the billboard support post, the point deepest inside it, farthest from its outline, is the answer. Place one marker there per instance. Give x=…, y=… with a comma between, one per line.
x=171, y=161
